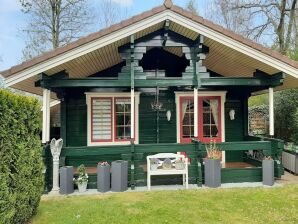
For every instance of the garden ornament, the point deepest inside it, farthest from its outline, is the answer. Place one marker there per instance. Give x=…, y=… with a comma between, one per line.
x=56, y=146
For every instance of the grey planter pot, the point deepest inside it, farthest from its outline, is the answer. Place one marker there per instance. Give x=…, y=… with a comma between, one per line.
x=103, y=178
x=268, y=172
x=66, y=180
x=119, y=172
x=212, y=173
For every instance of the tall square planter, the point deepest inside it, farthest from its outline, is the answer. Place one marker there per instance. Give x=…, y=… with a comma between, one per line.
x=66, y=180
x=212, y=173
x=268, y=172
x=103, y=178
x=119, y=172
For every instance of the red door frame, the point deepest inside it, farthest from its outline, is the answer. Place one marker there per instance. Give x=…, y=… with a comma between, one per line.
x=200, y=119
x=183, y=140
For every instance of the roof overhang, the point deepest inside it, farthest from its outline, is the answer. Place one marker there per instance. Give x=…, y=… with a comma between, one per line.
x=230, y=54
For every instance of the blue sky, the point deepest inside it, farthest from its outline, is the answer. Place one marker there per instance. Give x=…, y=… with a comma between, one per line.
x=12, y=20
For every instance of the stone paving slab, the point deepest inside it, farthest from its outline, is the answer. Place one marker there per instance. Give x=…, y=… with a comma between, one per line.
x=170, y=188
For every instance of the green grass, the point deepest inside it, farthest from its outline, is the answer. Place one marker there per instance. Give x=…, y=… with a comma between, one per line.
x=255, y=205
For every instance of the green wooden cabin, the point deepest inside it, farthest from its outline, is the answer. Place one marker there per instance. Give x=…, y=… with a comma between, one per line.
x=162, y=81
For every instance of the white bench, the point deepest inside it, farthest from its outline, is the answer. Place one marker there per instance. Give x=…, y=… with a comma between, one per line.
x=173, y=171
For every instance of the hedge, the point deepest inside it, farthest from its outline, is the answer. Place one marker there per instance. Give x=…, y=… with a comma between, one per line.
x=21, y=178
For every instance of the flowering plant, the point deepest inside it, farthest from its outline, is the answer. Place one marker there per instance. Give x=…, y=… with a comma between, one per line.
x=83, y=176
x=213, y=152
x=103, y=163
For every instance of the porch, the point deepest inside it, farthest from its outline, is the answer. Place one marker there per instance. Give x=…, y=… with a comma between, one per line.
x=248, y=169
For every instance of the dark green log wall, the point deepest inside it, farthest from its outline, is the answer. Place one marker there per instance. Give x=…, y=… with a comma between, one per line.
x=76, y=120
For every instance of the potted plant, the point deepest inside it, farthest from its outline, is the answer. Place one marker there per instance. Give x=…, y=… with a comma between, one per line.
x=82, y=179
x=154, y=163
x=180, y=164
x=212, y=165
x=268, y=171
x=103, y=177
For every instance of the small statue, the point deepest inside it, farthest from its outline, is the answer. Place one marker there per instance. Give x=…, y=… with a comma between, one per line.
x=56, y=146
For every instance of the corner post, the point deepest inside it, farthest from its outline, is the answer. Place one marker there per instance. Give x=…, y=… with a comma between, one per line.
x=46, y=116
x=196, y=108
x=271, y=112
x=132, y=111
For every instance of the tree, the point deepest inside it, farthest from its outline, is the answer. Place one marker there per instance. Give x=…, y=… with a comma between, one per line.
x=268, y=19
x=110, y=13
x=53, y=23
x=192, y=6
x=220, y=12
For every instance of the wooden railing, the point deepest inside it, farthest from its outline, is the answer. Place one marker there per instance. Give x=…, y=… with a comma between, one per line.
x=136, y=155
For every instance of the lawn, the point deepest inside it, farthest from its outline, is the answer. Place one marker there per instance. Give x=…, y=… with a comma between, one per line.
x=254, y=205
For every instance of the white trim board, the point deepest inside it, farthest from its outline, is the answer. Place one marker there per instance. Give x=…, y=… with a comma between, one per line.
x=113, y=95
x=141, y=25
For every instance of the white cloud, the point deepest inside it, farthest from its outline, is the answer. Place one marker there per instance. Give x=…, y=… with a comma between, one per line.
x=123, y=2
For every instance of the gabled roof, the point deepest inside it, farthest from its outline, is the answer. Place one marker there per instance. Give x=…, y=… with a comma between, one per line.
x=184, y=22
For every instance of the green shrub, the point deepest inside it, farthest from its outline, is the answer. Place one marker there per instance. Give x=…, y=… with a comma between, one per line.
x=21, y=179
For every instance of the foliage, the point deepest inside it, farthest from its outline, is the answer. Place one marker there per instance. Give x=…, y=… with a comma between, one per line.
x=53, y=23
x=285, y=110
x=83, y=176
x=21, y=165
x=238, y=205
x=258, y=100
x=105, y=163
x=213, y=152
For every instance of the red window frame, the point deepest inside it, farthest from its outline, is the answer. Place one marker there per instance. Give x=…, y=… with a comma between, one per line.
x=103, y=140
x=183, y=140
x=115, y=121
x=200, y=120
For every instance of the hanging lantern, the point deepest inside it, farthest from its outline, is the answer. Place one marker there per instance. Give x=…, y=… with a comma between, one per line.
x=168, y=114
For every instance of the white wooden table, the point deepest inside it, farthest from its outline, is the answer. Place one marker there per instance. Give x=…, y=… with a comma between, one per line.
x=172, y=171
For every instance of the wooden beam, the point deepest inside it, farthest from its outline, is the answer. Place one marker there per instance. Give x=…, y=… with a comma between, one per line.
x=205, y=82
x=224, y=81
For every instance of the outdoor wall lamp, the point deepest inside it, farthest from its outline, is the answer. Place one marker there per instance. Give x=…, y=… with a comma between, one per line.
x=232, y=114
x=168, y=114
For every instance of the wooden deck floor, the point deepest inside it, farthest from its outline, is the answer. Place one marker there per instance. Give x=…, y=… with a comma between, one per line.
x=237, y=165
x=91, y=170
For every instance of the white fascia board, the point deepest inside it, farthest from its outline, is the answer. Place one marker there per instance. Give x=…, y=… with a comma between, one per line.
x=234, y=44
x=87, y=48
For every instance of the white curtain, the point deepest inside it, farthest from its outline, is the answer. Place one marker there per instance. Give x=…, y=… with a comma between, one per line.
x=184, y=107
x=214, y=110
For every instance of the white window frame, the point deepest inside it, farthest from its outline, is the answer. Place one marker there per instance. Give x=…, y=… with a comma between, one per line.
x=113, y=95
x=221, y=94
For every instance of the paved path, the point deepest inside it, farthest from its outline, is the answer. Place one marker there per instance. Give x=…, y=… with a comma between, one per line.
x=288, y=178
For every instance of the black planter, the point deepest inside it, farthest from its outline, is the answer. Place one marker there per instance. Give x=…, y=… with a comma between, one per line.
x=119, y=175
x=268, y=172
x=103, y=178
x=212, y=173
x=66, y=180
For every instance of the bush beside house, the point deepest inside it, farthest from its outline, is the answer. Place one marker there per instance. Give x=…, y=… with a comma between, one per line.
x=21, y=179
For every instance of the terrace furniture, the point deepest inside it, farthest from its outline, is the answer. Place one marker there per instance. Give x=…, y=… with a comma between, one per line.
x=172, y=171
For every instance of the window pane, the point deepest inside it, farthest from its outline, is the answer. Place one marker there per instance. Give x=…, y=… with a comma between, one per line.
x=210, y=118
x=123, y=121
x=187, y=113
x=101, y=119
